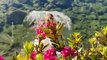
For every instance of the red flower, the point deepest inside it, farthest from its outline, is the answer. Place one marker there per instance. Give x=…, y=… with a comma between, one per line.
x=51, y=58
x=43, y=34
x=40, y=32
x=46, y=24
x=50, y=54
x=1, y=57
x=50, y=25
x=67, y=51
x=33, y=55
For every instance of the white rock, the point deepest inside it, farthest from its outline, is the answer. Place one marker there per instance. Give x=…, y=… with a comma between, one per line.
x=36, y=16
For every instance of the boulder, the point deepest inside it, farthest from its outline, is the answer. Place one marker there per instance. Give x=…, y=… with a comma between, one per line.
x=35, y=16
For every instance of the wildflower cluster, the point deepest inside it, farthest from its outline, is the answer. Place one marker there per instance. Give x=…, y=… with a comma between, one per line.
x=50, y=45
x=67, y=51
x=50, y=54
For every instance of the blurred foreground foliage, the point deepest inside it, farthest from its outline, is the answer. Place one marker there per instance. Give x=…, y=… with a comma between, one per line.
x=96, y=50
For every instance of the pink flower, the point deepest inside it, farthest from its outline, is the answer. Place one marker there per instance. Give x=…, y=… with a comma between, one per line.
x=50, y=54
x=43, y=34
x=1, y=57
x=46, y=24
x=51, y=58
x=53, y=24
x=40, y=32
x=40, y=24
x=73, y=52
x=67, y=51
x=33, y=55
x=50, y=25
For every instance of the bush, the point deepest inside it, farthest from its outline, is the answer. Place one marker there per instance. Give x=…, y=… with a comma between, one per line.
x=49, y=44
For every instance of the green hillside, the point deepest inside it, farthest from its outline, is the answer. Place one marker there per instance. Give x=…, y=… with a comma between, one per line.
x=87, y=16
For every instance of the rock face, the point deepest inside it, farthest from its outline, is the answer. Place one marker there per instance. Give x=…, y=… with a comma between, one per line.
x=35, y=16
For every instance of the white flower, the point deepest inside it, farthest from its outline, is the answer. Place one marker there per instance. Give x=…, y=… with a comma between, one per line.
x=36, y=42
x=45, y=42
x=58, y=53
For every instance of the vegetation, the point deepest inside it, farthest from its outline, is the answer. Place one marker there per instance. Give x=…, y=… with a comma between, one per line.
x=87, y=16
x=74, y=50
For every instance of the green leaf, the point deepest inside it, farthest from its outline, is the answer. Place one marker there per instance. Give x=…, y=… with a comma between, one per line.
x=39, y=56
x=105, y=51
x=28, y=47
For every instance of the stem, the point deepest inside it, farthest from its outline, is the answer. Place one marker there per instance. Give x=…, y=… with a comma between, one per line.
x=77, y=52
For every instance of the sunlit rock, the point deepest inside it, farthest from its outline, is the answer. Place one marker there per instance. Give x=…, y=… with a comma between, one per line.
x=35, y=16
